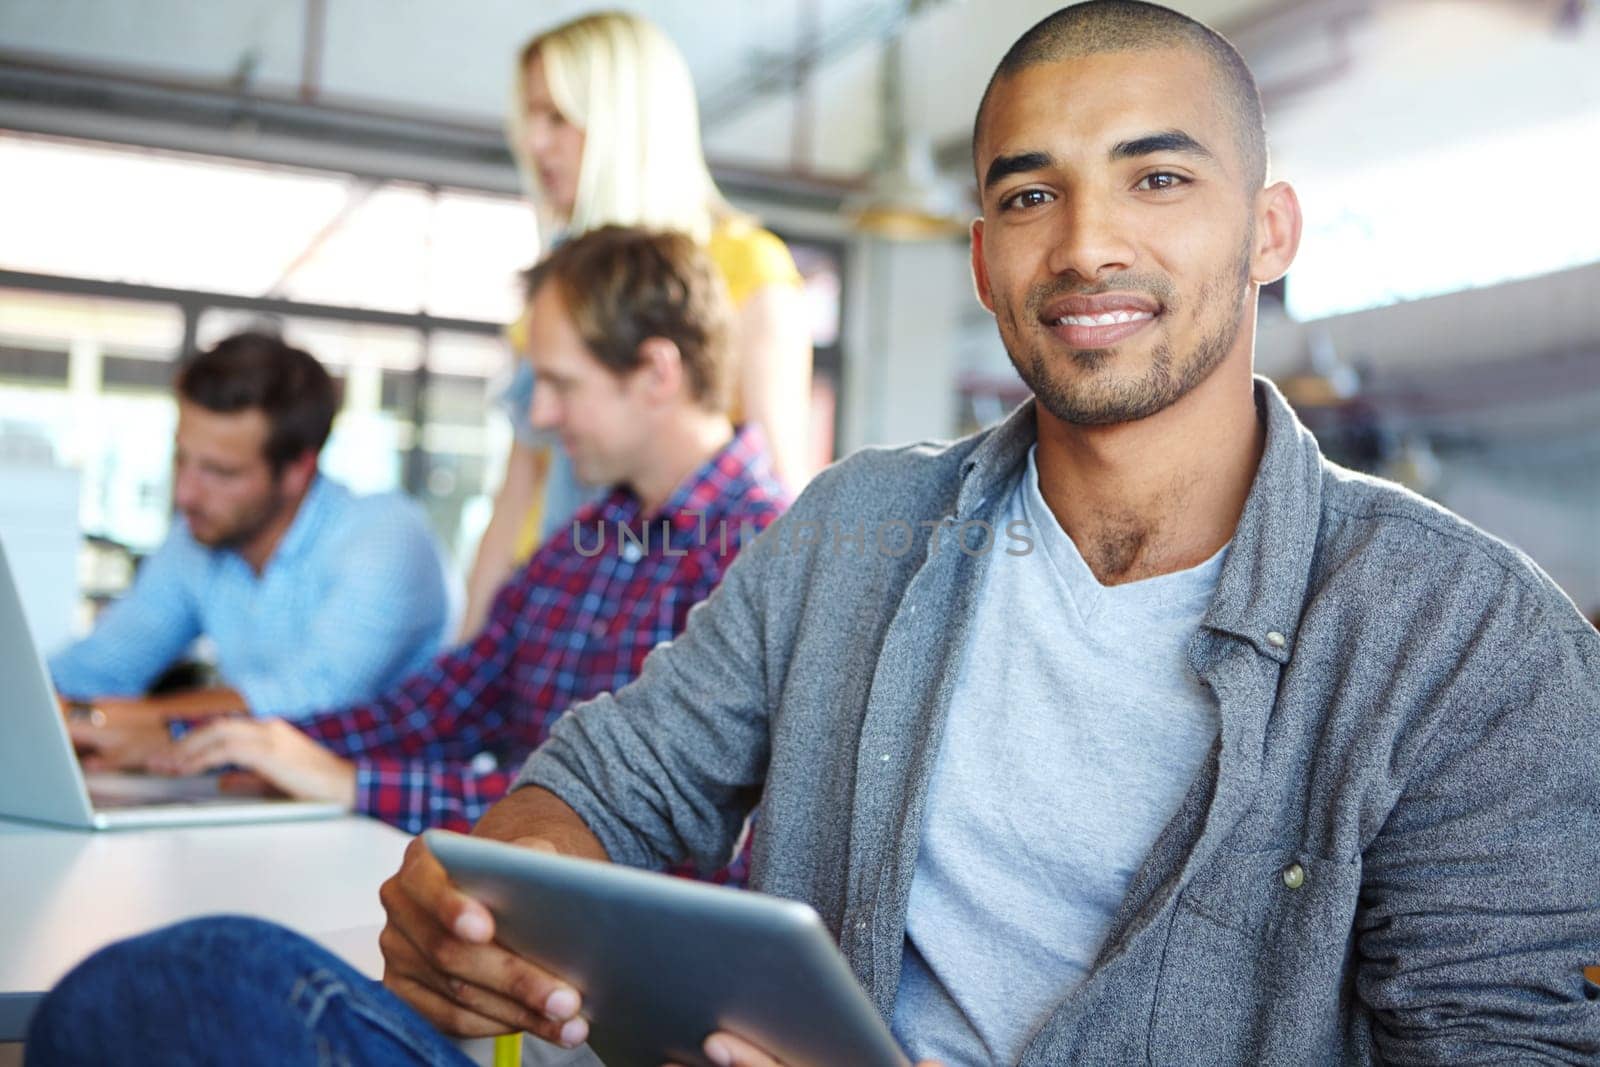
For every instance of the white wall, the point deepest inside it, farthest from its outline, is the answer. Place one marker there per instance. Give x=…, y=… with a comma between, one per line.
x=39, y=529
x=1554, y=518
x=906, y=301
x=1556, y=312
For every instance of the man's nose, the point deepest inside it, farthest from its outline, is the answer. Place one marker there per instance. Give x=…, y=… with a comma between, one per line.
x=1091, y=240
x=185, y=489
x=544, y=410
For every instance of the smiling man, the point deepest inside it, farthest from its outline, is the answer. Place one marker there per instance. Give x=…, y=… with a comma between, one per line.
x=1235, y=757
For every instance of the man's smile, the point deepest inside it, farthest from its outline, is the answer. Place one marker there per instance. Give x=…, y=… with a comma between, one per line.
x=1101, y=320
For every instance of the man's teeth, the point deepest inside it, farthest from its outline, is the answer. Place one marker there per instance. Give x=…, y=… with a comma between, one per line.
x=1108, y=319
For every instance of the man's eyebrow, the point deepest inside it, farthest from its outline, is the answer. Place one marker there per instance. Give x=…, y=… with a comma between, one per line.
x=1021, y=162
x=1166, y=141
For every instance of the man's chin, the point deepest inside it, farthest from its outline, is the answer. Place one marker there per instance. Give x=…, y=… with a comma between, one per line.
x=1101, y=400
x=590, y=475
x=211, y=537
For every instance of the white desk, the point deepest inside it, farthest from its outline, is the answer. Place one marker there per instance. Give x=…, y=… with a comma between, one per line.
x=64, y=893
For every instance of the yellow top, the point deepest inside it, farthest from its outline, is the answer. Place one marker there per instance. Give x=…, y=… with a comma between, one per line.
x=750, y=258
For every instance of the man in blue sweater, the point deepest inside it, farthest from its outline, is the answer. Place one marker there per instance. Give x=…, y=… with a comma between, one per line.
x=309, y=595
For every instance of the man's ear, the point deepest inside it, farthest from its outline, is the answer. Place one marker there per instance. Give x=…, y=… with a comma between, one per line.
x=980, y=276
x=661, y=371
x=297, y=474
x=1277, y=239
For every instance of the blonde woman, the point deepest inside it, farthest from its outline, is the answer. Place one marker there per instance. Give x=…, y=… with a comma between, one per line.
x=605, y=129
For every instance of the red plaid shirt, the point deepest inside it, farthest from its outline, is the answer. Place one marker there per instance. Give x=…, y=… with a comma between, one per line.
x=577, y=621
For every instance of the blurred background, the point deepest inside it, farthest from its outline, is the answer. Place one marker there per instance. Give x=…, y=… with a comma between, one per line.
x=173, y=170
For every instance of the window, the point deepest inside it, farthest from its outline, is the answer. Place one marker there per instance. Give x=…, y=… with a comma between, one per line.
x=1460, y=218
x=124, y=257
x=116, y=259
x=84, y=384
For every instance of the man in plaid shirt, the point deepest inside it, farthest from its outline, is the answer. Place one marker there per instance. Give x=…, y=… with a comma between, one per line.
x=629, y=342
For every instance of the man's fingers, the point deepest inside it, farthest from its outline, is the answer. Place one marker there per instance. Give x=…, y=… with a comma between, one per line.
x=497, y=970
x=246, y=784
x=446, y=1014
x=458, y=1021
x=209, y=747
x=535, y=844
x=112, y=747
x=82, y=733
x=423, y=880
x=491, y=1005
x=727, y=1050
x=406, y=966
x=431, y=914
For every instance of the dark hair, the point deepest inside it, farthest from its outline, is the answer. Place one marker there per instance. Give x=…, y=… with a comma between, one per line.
x=260, y=371
x=623, y=285
x=1099, y=26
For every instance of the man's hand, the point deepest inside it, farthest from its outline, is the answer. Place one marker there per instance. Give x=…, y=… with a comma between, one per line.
x=439, y=956
x=729, y=1051
x=191, y=704
x=108, y=740
x=272, y=748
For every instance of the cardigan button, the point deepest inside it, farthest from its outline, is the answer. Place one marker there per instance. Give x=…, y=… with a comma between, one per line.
x=1294, y=876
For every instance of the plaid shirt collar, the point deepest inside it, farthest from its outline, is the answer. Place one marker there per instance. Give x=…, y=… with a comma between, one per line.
x=699, y=499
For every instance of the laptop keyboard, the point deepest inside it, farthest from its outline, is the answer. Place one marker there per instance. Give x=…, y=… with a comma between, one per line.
x=125, y=791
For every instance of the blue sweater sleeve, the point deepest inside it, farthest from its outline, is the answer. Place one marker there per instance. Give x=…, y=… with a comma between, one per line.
x=140, y=634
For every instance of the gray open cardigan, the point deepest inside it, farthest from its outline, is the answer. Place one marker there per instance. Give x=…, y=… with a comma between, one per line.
x=1393, y=853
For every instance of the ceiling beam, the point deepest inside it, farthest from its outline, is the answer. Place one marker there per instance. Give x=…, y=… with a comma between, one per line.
x=371, y=144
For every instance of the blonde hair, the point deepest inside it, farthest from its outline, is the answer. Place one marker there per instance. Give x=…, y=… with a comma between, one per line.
x=627, y=86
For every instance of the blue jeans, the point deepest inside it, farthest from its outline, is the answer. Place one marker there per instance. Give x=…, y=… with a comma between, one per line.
x=228, y=991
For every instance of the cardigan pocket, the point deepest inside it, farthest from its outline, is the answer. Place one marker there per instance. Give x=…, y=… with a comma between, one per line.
x=1256, y=962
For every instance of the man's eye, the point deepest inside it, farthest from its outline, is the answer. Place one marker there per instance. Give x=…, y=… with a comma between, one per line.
x=1161, y=180
x=1026, y=198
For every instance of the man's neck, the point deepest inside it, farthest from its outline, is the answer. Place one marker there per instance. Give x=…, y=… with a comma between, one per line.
x=1163, y=494
x=679, y=450
x=258, y=551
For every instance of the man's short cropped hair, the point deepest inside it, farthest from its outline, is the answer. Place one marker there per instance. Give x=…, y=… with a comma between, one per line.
x=1100, y=26
x=255, y=370
x=623, y=285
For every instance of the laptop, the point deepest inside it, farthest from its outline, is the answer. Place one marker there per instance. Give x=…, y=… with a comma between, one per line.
x=41, y=781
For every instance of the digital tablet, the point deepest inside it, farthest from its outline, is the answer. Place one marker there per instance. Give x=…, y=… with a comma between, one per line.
x=663, y=962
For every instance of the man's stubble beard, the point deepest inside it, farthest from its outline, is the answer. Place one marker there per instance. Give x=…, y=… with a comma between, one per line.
x=1097, y=403
x=251, y=525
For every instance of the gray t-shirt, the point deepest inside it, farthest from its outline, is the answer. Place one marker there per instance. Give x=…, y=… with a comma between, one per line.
x=1075, y=728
